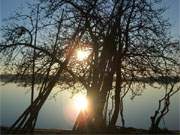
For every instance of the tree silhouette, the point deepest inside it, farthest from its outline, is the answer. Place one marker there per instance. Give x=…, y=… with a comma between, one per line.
x=128, y=40
x=163, y=106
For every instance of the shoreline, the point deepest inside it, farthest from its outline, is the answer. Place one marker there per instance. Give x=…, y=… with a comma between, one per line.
x=127, y=130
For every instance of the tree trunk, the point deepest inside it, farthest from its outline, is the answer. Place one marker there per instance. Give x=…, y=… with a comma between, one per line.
x=28, y=118
x=117, y=99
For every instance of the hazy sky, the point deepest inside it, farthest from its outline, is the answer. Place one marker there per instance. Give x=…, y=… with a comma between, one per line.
x=9, y=6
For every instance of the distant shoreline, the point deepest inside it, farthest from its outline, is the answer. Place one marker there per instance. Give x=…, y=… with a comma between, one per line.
x=127, y=130
x=7, y=78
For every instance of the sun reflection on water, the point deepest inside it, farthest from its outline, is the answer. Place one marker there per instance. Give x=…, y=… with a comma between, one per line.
x=80, y=102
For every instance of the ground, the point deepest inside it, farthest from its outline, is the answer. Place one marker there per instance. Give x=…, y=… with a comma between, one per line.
x=129, y=130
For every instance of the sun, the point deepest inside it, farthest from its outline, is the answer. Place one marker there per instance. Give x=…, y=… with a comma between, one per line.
x=81, y=102
x=82, y=55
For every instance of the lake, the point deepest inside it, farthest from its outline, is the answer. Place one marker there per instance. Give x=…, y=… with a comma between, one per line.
x=60, y=112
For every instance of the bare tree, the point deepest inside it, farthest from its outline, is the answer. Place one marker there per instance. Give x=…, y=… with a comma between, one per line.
x=129, y=40
x=163, y=106
x=53, y=52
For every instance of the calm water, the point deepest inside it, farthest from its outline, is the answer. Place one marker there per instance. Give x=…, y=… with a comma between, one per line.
x=61, y=111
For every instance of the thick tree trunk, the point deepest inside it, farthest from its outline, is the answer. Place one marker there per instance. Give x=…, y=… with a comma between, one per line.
x=97, y=100
x=117, y=91
x=117, y=100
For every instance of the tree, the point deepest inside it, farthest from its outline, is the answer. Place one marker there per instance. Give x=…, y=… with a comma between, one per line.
x=52, y=56
x=163, y=106
x=128, y=40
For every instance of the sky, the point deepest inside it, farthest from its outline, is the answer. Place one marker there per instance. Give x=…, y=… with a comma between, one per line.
x=8, y=7
x=173, y=13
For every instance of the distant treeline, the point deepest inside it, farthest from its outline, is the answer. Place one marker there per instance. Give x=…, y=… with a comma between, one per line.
x=159, y=79
x=27, y=79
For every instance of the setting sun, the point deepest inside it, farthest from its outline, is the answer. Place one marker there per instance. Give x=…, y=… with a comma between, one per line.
x=81, y=102
x=82, y=55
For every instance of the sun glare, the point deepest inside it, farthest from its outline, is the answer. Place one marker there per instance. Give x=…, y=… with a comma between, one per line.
x=82, y=55
x=81, y=102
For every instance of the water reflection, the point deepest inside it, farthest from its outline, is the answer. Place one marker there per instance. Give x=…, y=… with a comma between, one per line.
x=61, y=112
